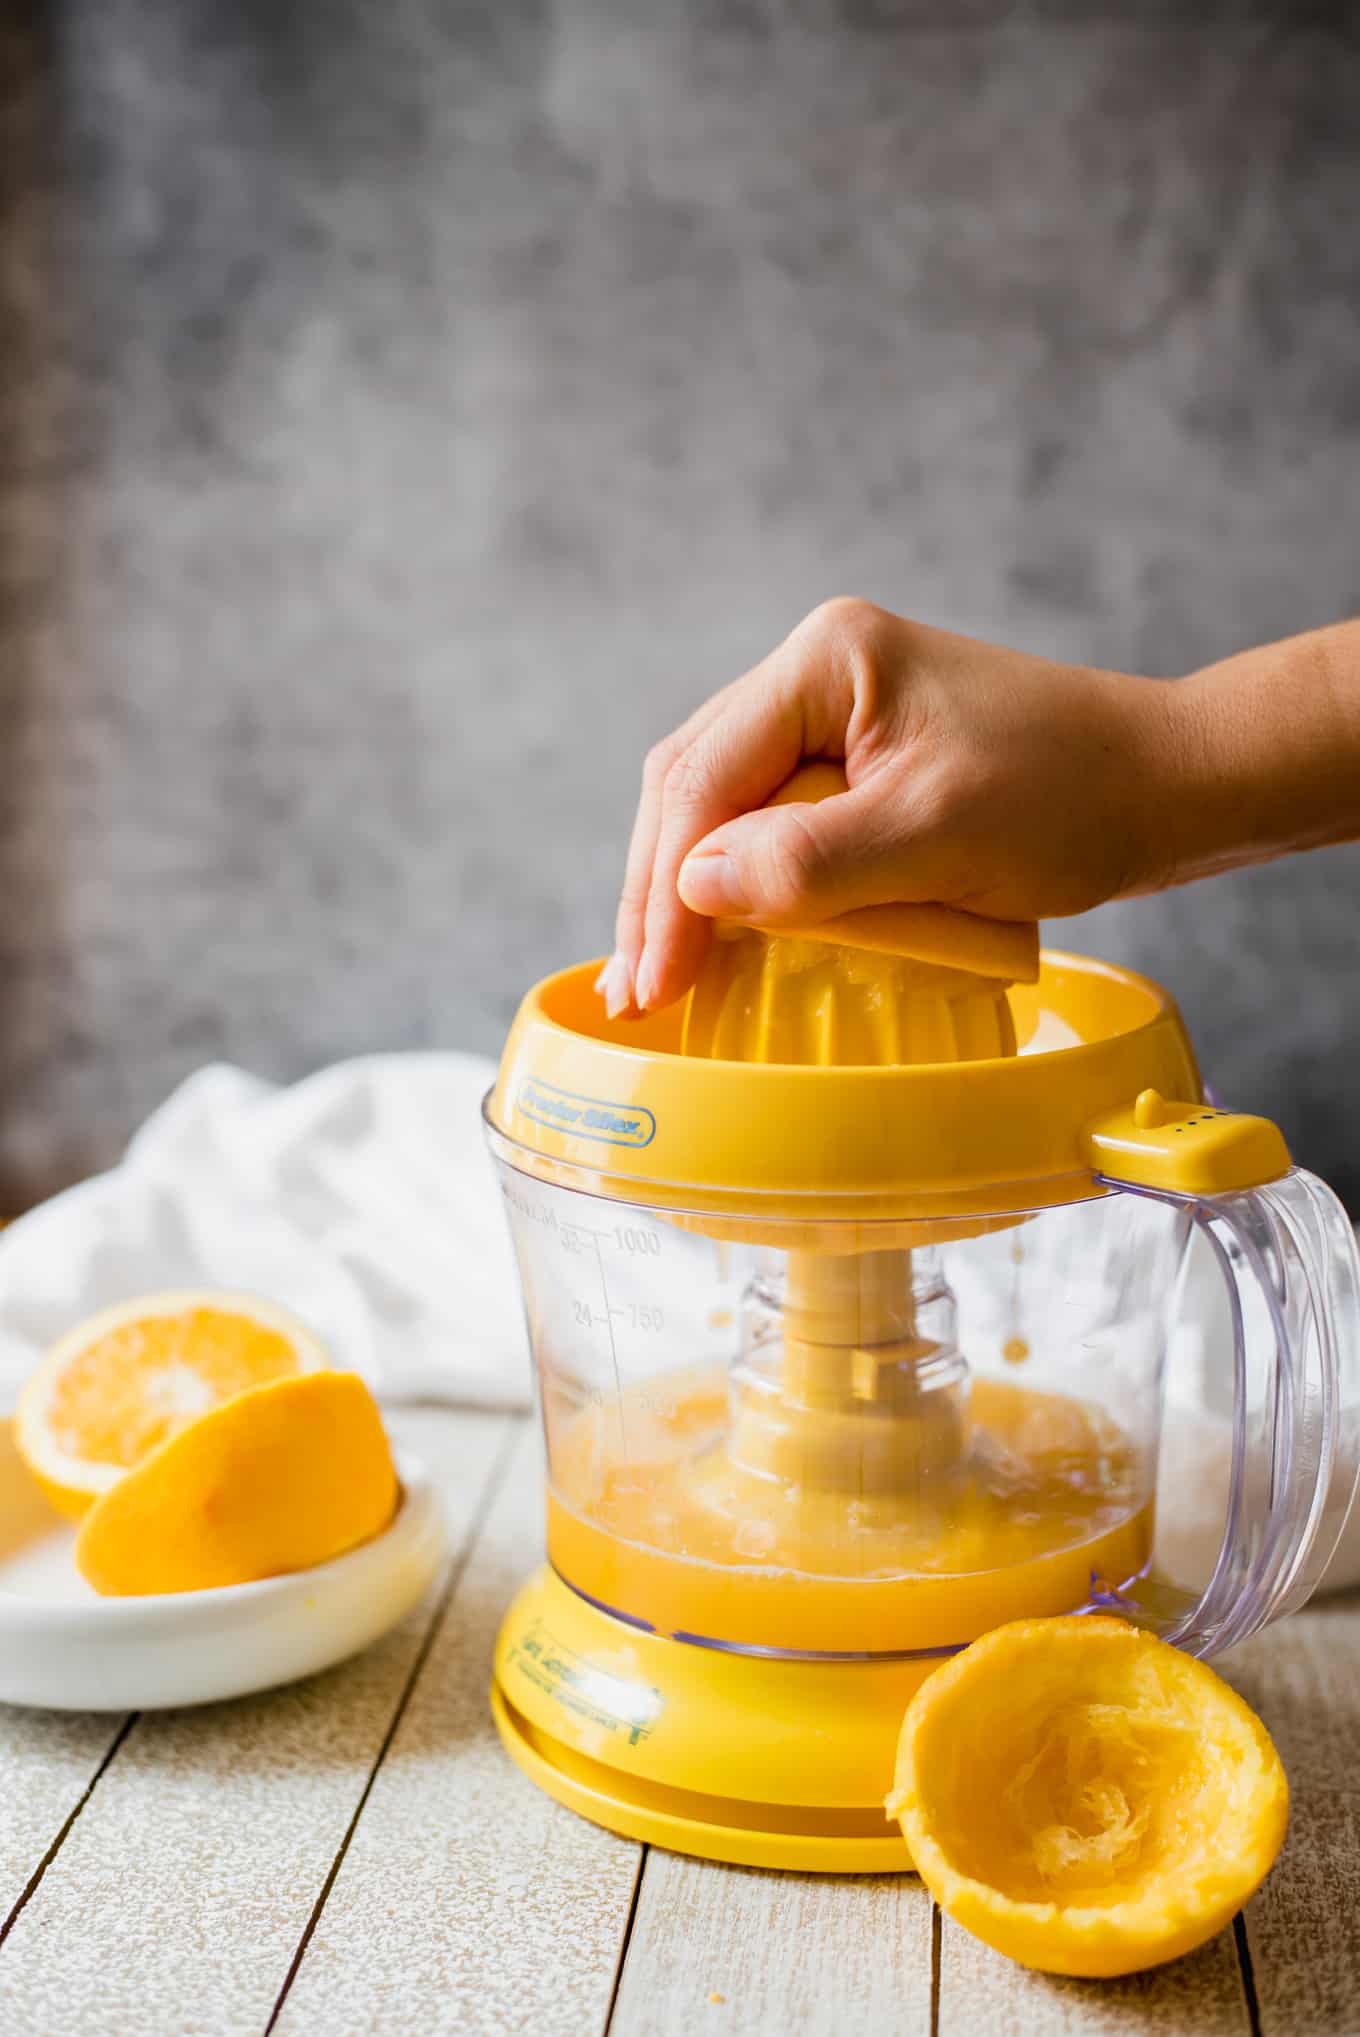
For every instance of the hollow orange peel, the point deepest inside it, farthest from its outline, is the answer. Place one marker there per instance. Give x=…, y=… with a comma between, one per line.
x=1084, y=1797
x=277, y=1479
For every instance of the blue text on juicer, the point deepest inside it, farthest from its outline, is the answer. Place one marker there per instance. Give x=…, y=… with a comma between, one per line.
x=586, y=1117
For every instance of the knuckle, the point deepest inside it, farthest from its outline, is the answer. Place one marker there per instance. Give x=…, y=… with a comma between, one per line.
x=685, y=780
x=855, y=638
x=633, y=896
x=846, y=616
x=658, y=761
x=793, y=860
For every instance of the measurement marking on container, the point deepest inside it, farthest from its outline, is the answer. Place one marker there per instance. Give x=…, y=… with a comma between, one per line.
x=627, y=1238
x=578, y=1238
x=613, y=1346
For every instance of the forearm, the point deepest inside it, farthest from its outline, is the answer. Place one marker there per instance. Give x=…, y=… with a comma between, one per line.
x=1255, y=757
x=1011, y=786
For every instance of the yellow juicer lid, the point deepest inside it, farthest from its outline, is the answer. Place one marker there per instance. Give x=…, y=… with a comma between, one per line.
x=902, y=1064
x=907, y=1062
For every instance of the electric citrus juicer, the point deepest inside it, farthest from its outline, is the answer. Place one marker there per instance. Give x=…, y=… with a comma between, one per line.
x=849, y=1282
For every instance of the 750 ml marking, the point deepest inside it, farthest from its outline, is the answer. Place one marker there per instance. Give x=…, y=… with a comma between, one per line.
x=637, y=1315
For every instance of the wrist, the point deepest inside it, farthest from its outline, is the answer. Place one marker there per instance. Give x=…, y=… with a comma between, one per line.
x=1160, y=741
x=1251, y=758
x=1187, y=797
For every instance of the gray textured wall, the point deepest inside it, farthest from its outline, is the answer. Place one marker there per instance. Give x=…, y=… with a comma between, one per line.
x=409, y=410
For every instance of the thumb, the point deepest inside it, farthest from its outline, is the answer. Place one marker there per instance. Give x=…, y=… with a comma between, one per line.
x=797, y=864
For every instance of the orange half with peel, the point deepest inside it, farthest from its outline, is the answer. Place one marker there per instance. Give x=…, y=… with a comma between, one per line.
x=125, y=1381
x=1085, y=1798
x=277, y=1479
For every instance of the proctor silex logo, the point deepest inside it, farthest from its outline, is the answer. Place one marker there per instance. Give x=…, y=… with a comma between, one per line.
x=586, y=1117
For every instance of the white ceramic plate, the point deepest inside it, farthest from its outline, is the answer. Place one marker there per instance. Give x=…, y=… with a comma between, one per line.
x=65, y=1648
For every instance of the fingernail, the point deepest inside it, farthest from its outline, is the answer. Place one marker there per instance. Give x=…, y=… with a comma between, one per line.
x=609, y=964
x=615, y=985
x=709, y=883
x=644, y=985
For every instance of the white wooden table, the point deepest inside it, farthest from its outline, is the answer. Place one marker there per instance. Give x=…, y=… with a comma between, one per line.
x=356, y=1855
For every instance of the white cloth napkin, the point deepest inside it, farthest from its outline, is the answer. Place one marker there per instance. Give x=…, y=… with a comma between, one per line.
x=363, y=1198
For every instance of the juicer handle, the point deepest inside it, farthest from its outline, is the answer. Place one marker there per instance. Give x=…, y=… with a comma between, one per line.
x=1296, y=1400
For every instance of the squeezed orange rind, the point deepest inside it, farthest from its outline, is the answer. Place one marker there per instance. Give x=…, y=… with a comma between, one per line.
x=1085, y=1798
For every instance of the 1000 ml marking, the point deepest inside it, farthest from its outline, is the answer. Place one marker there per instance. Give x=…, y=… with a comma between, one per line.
x=633, y=1241
x=586, y=1117
x=592, y=1694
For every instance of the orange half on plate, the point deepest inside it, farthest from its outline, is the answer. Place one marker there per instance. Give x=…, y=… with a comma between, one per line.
x=124, y=1382
x=277, y=1479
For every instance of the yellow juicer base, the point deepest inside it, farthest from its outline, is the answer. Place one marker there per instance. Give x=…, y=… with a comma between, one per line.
x=756, y=1760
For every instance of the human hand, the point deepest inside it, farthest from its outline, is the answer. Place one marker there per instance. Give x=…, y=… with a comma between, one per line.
x=978, y=777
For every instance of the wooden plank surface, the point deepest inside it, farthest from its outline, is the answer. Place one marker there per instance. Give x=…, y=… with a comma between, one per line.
x=824, y=1954
x=1201, y=1996
x=1304, y=1678
x=468, y=1901
x=180, y=1896
x=48, y=1760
